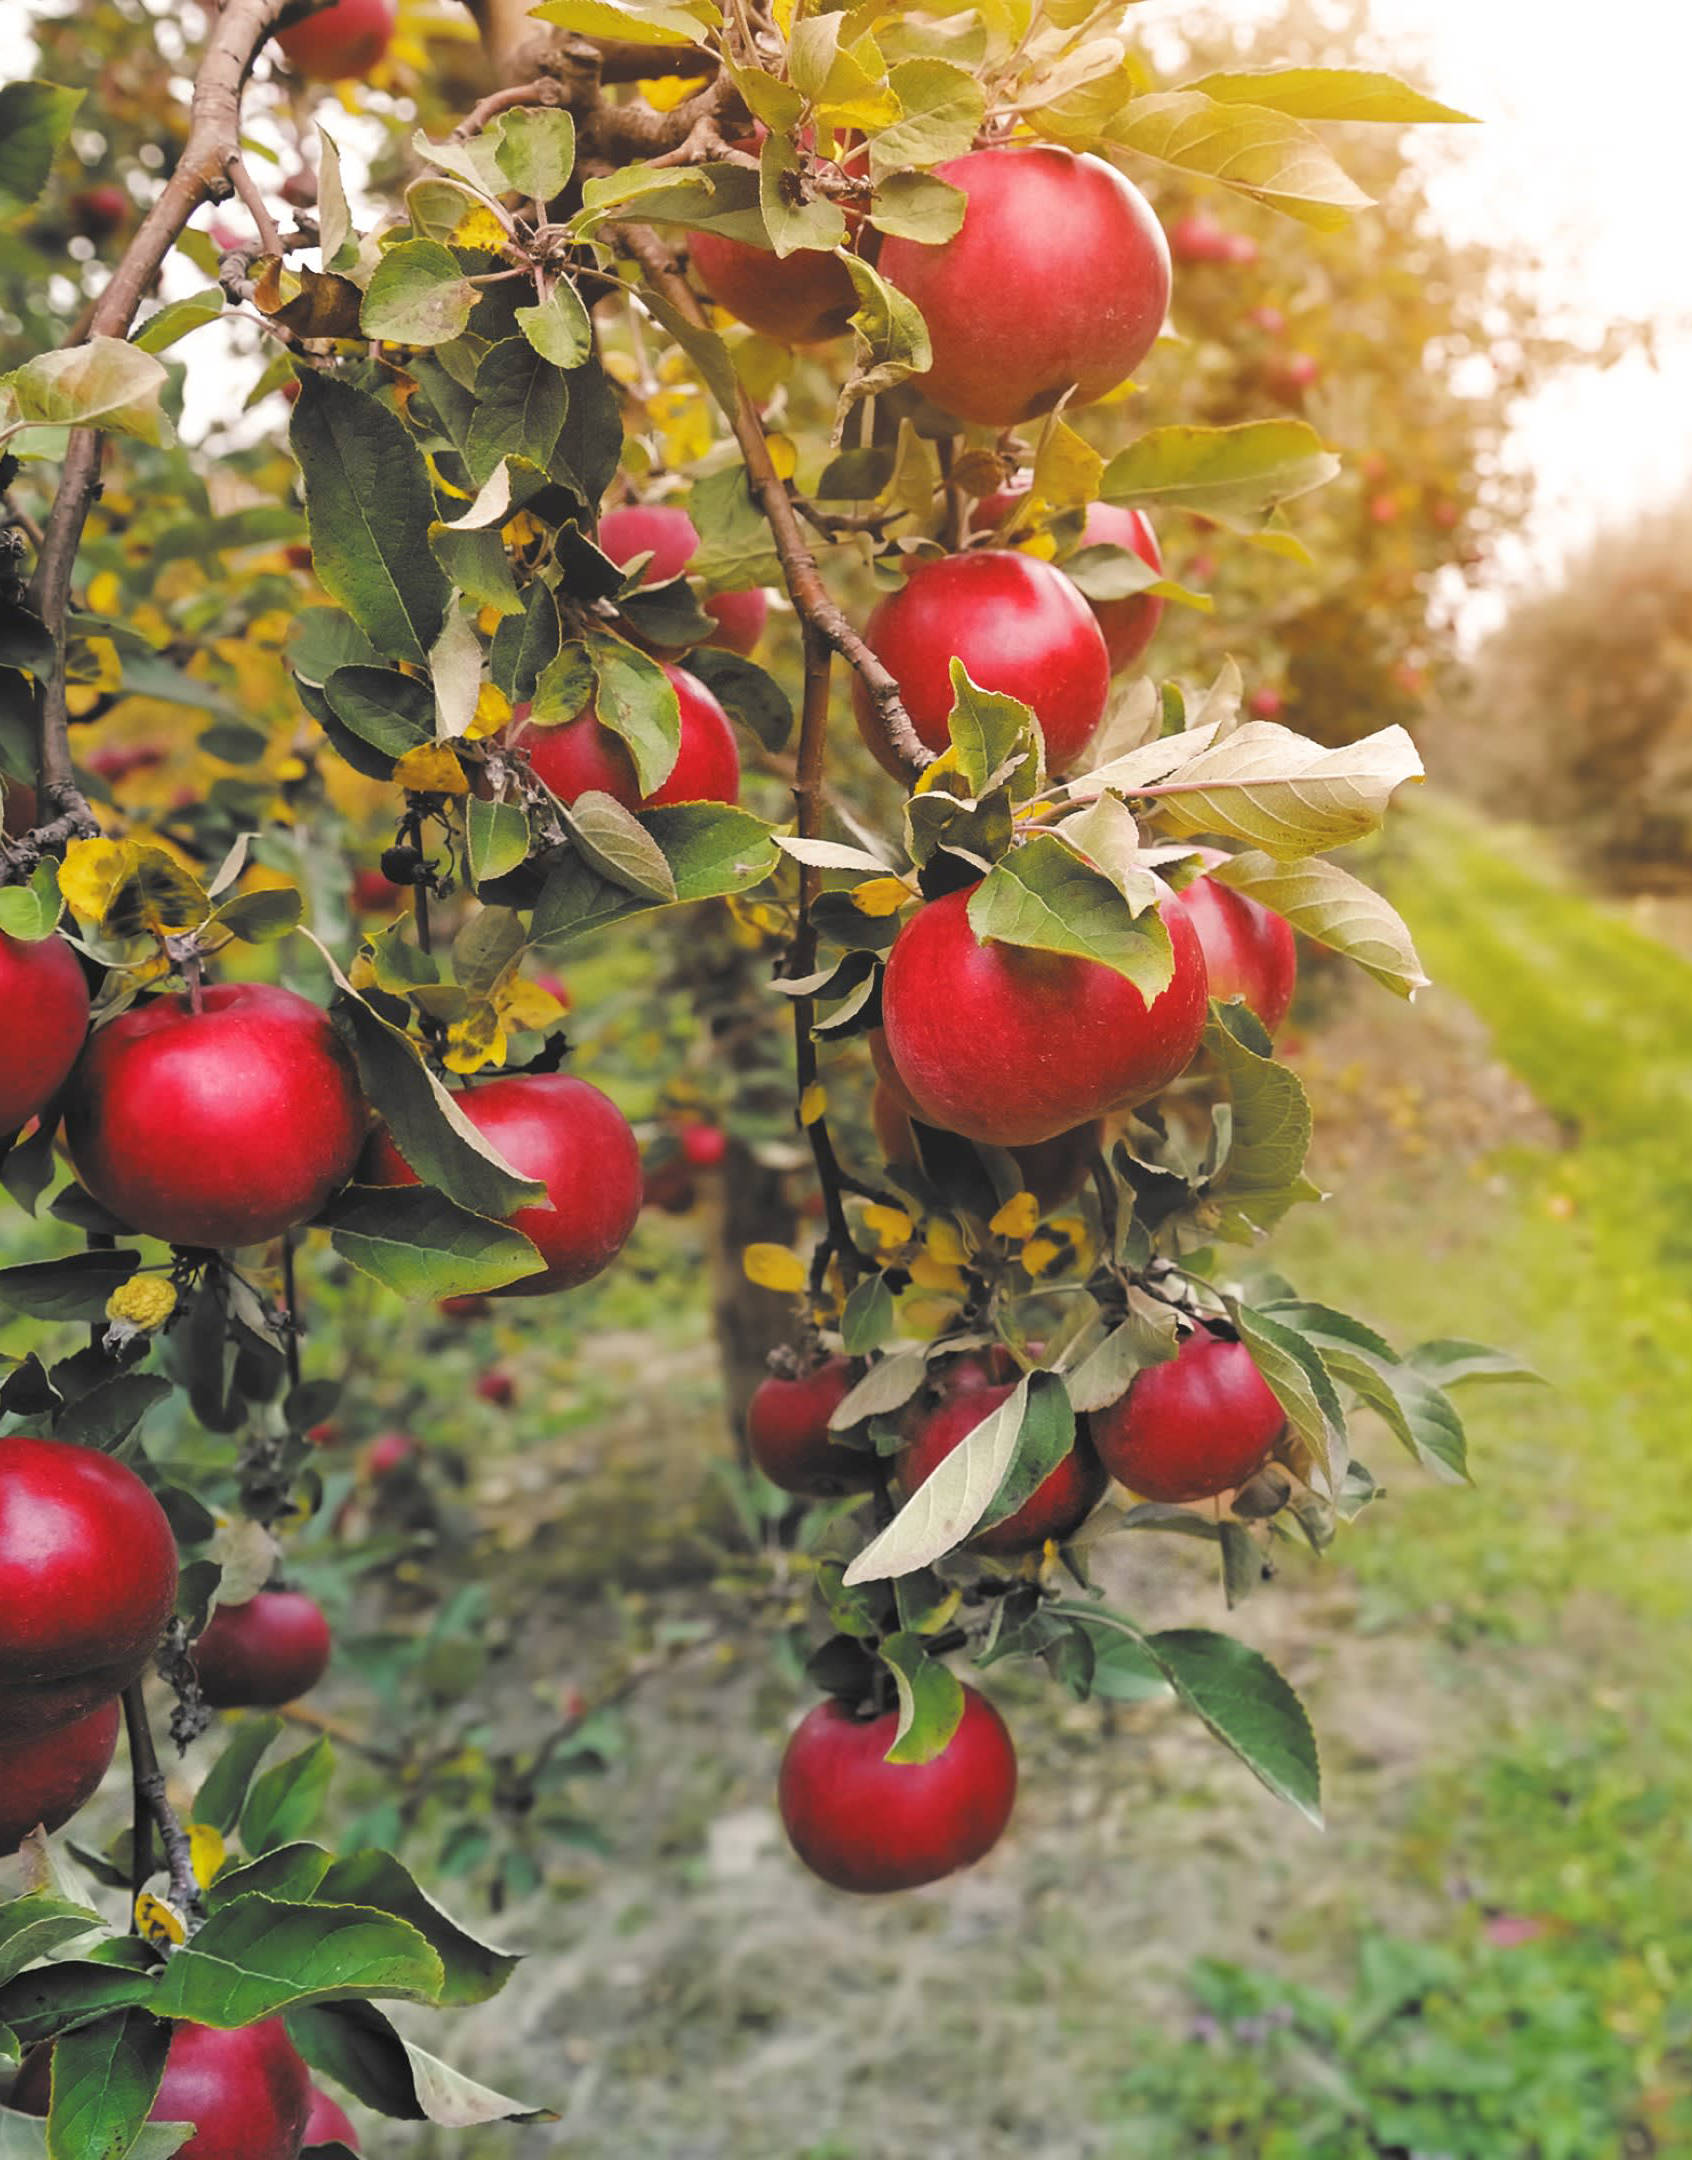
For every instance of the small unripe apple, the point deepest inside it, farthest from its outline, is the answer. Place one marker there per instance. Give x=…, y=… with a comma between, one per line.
x=577, y=1143
x=868, y=1825
x=496, y=1387
x=703, y=1146
x=582, y=755
x=269, y=1651
x=1199, y=1424
x=1056, y=1508
x=1017, y=624
x=1005, y=1044
x=347, y=38
x=47, y=1777
x=1249, y=950
x=45, y=999
x=247, y=2092
x=787, y=1431
x=1129, y=624
x=329, y=2123
x=219, y=1128
x=668, y=534
x=1058, y=280
x=87, y=1580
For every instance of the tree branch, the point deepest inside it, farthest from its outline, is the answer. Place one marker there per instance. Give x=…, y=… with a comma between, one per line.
x=153, y=1809
x=799, y=566
x=201, y=175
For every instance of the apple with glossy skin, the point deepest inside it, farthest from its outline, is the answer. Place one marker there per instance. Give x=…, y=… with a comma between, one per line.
x=1058, y=279
x=269, y=1651
x=668, y=534
x=1056, y=1508
x=1005, y=1044
x=1017, y=624
x=222, y=1127
x=87, y=1581
x=46, y=1778
x=566, y=1133
x=1052, y=1170
x=787, y=1432
x=1249, y=951
x=583, y=755
x=1199, y=1424
x=345, y=39
x=867, y=1825
x=329, y=2123
x=1130, y=624
x=45, y=999
x=247, y=2093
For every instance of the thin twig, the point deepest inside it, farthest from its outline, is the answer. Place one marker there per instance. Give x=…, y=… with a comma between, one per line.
x=154, y=1811
x=270, y=240
x=799, y=566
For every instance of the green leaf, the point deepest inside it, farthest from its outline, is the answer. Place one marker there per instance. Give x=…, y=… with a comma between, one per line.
x=1237, y=475
x=392, y=712
x=334, y=220
x=105, y=2077
x=261, y=916
x=618, y=846
x=496, y=838
x=355, y=2044
x=109, y=1413
x=637, y=701
x=222, y=1795
x=1263, y=1175
x=889, y=1384
x=34, y=1927
x=564, y=687
x=1421, y=1416
x=986, y=728
x=919, y=206
x=1329, y=905
x=536, y=150
x=1044, y=897
x=749, y=693
x=1146, y=1337
x=474, y=1970
x=418, y=295
x=521, y=401
x=1322, y=93
x=418, y=1243
x=868, y=1319
x=35, y=118
x=712, y=848
x=524, y=648
x=49, y=1998
x=1281, y=792
x=74, y=1288
x=322, y=639
x=894, y=336
x=931, y=1700
x=560, y=328
x=30, y=1165
x=31, y=912
x=166, y=325
x=1451, y=1363
x=943, y=108
x=1267, y=155
x=656, y=23
x=711, y=197
x=793, y=217
x=1301, y=1383
x=285, y=1802
x=103, y=383
x=259, y=1956
x=735, y=549
x=369, y=505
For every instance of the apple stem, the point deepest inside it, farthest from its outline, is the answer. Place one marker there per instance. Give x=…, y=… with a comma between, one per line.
x=153, y=1810
x=291, y=1301
x=194, y=980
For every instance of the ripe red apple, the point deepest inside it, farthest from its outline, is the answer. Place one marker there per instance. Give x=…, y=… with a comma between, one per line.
x=473, y=1307
x=1130, y=624
x=1290, y=377
x=372, y=893
x=384, y=1455
x=47, y=1777
x=329, y=2123
x=1058, y=279
x=247, y=2093
x=1017, y=624
x=218, y=1128
x=865, y=1824
x=576, y=1141
x=1266, y=703
x=1052, y=1170
x=1008, y=1045
x=45, y=1000
x=1384, y=509
x=1199, y=1424
x=496, y=1387
x=667, y=532
x=1241, y=250
x=1249, y=951
x=703, y=1146
x=347, y=38
x=269, y=1651
x=1056, y=1508
x=1269, y=320
x=802, y=300
x=98, y=212
x=582, y=755
x=787, y=1431
x=971, y=1370
x=87, y=1581
x=1200, y=238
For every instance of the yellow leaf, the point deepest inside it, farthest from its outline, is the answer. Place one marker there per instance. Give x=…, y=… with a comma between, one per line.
x=91, y=873
x=159, y=1923
x=488, y=620
x=773, y=1267
x=944, y=1244
x=1018, y=1218
x=665, y=92
x=783, y=456
x=525, y=1006
x=292, y=768
x=520, y=531
x=105, y=593
x=1067, y=469
x=931, y=1274
x=493, y=710
x=145, y=1302
x=1040, y=1255
x=888, y=1225
x=479, y=228
x=878, y=896
x=207, y=1851
x=475, y=1041
x=431, y=769
x=813, y=1104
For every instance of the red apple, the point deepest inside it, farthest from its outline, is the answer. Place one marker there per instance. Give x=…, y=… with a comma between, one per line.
x=218, y=1128
x=1384, y=509
x=1197, y=1425
x=87, y=1581
x=1058, y=280
x=865, y=1824
x=269, y=1651
x=576, y=1141
x=1129, y=624
x=1266, y=703
x=1289, y=378
x=1249, y=950
x=582, y=755
x=1269, y=320
x=1017, y=624
x=329, y=2123
x=46, y=1778
x=372, y=893
x=667, y=532
x=344, y=39
x=1241, y=250
x=1056, y=1508
x=1052, y=1170
x=247, y=2093
x=98, y=212
x=703, y=1146
x=1005, y=1044
x=787, y=1431
x=472, y=1307
x=496, y=1387
x=384, y=1455
x=1200, y=238
x=971, y=1370
x=45, y=1000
